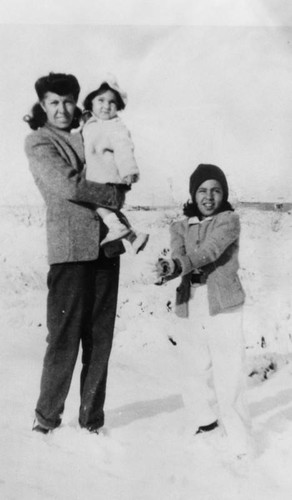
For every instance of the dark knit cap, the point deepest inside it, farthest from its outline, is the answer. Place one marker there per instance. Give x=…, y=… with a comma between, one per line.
x=204, y=173
x=59, y=83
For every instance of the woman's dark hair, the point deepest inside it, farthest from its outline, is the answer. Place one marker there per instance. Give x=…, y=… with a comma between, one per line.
x=60, y=84
x=37, y=117
x=87, y=104
x=190, y=209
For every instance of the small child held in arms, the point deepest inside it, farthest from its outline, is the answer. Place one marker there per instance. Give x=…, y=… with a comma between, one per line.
x=210, y=343
x=109, y=155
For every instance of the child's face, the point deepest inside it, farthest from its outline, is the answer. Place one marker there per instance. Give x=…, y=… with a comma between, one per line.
x=209, y=197
x=104, y=106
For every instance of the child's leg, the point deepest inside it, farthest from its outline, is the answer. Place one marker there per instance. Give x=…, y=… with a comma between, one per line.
x=110, y=218
x=195, y=362
x=104, y=212
x=138, y=240
x=226, y=345
x=195, y=372
x=117, y=229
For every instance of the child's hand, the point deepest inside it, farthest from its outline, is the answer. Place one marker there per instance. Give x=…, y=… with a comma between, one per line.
x=167, y=269
x=135, y=178
x=130, y=179
x=164, y=267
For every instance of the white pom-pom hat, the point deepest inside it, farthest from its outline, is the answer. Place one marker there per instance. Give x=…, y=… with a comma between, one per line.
x=112, y=82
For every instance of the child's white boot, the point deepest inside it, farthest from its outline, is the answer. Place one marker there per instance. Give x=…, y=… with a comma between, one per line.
x=116, y=231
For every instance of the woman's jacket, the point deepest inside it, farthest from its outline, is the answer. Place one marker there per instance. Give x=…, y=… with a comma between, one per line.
x=56, y=160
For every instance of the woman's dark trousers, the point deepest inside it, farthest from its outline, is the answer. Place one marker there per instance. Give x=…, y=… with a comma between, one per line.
x=81, y=308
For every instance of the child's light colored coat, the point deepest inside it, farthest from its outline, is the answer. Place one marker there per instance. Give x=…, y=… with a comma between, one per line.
x=210, y=245
x=109, y=151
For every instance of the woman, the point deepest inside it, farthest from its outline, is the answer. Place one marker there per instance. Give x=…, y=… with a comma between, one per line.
x=82, y=280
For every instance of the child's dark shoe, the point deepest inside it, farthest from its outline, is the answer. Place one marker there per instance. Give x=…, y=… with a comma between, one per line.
x=207, y=428
x=140, y=242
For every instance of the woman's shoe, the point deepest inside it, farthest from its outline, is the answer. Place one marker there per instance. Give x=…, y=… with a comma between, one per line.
x=94, y=431
x=40, y=428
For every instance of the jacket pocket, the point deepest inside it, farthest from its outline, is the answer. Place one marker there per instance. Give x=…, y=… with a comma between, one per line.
x=58, y=239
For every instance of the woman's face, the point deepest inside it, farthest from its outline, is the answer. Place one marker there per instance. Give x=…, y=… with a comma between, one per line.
x=209, y=197
x=59, y=109
x=104, y=105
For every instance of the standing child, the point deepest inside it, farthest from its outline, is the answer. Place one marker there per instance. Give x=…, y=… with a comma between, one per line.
x=205, y=249
x=109, y=154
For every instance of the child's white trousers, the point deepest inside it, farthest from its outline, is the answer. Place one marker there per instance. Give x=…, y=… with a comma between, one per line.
x=211, y=354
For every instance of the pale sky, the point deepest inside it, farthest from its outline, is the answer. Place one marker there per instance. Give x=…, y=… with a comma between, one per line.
x=204, y=85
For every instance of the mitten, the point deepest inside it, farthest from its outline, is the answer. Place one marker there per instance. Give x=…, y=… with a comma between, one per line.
x=167, y=269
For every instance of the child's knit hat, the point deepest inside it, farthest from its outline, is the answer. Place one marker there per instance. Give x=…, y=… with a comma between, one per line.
x=204, y=173
x=112, y=82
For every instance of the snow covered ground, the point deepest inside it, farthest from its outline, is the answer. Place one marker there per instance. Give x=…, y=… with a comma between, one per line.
x=147, y=451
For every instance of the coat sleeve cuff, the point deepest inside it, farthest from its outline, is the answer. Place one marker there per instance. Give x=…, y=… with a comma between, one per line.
x=186, y=264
